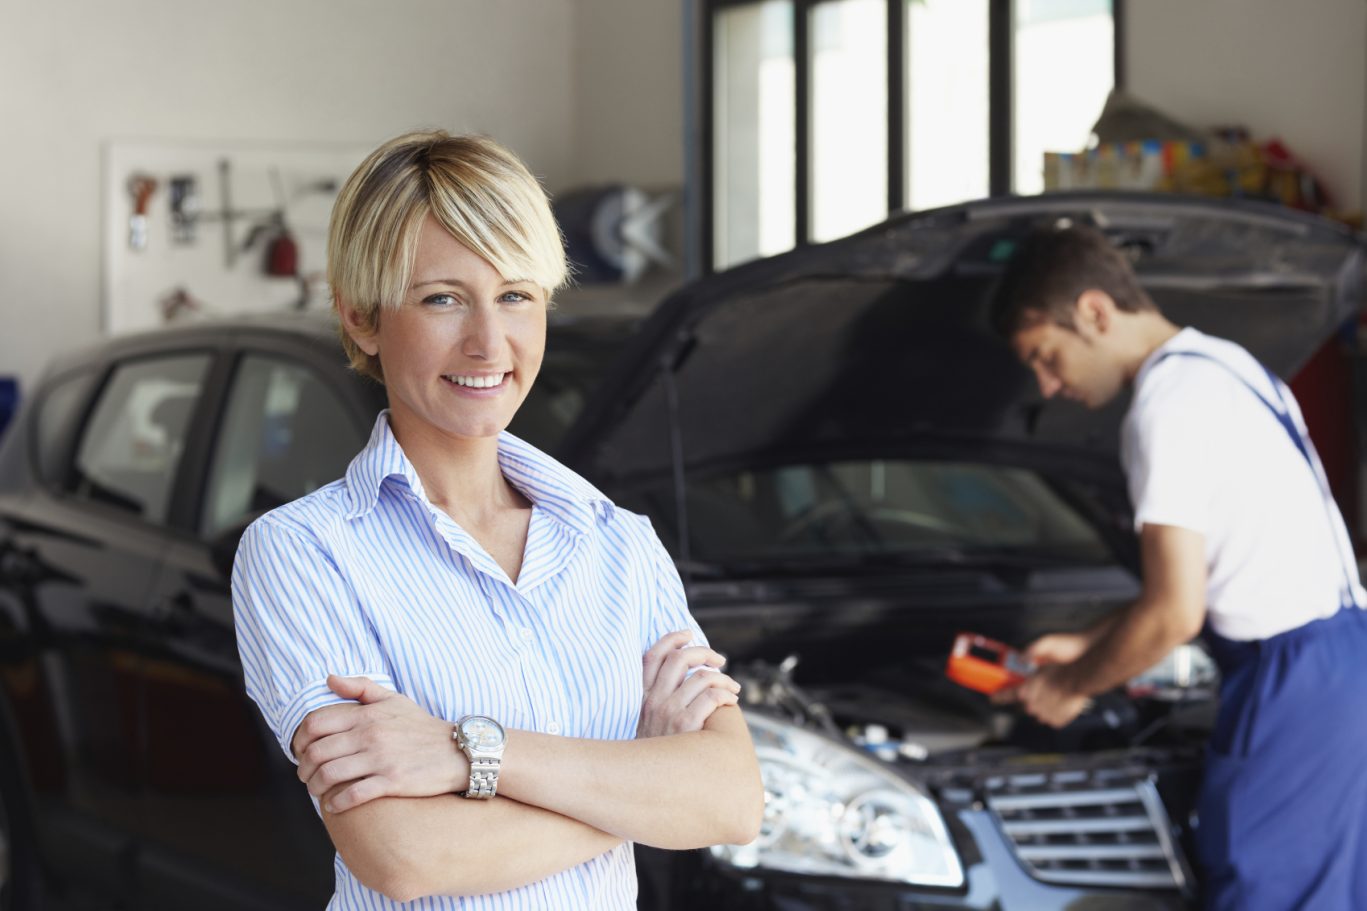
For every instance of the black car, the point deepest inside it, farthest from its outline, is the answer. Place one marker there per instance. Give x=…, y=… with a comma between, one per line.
x=849, y=470
x=131, y=762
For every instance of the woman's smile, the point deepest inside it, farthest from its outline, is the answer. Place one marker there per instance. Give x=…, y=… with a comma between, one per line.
x=479, y=383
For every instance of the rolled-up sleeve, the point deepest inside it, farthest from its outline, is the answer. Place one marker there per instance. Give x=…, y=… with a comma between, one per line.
x=297, y=621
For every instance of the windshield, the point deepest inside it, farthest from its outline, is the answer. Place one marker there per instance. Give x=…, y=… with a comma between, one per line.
x=860, y=508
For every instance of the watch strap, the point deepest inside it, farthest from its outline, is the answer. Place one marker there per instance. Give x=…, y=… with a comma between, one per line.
x=483, y=777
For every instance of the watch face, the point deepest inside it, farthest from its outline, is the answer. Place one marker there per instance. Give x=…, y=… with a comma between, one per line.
x=482, y=733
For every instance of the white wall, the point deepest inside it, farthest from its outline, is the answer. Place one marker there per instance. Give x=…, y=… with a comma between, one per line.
x=629, y=91
x=586, y=90
x=1296, y=70
x=75, y=74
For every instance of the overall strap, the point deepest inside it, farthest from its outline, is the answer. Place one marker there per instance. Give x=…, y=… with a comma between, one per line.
x=1348, y=596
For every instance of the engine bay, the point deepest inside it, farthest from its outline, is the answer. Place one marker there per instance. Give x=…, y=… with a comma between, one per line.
x=913, y=715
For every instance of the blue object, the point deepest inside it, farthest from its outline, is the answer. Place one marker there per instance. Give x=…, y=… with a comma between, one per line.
x=9, y=400
x=1283, y=807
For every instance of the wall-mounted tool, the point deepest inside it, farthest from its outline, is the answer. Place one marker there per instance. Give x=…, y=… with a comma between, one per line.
x=282, y=253
x=185, y=208
x=140, y=189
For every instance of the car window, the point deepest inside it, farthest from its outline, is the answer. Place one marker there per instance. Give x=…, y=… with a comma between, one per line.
x=284, y=435
x=131, y=447
x=875, y=507
x=56, y=410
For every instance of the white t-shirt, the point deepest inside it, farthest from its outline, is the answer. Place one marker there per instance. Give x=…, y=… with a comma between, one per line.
x=1201, y=452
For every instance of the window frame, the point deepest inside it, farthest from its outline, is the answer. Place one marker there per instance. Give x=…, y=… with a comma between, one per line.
x=63, y=486
x=356, y=395
x=700, y=127
x=239, y=361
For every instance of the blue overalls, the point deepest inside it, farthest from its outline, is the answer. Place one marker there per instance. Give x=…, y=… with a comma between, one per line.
x=1283, y=807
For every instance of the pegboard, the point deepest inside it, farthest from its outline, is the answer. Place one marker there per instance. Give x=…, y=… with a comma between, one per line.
x=211, y=260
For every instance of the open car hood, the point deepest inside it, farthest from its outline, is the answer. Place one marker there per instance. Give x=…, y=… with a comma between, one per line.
x=879, y=342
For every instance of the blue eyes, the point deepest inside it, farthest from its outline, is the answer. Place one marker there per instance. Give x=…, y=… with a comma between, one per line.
x=449, y=300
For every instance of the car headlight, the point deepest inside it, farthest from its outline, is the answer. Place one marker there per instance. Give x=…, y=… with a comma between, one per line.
x=830, y=810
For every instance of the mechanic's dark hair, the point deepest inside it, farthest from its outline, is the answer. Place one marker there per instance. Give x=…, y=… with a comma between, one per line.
x=1049, y=272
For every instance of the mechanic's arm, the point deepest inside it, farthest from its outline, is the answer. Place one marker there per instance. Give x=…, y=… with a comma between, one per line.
x=1169, y=611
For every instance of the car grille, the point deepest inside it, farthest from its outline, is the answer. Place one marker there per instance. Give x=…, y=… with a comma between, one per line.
x=1089, y=828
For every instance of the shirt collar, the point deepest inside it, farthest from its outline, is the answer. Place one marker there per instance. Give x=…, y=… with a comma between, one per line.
x=1185, y=339
x=541, y=479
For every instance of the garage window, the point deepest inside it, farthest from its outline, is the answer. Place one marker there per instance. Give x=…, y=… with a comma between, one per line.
x=822, y=117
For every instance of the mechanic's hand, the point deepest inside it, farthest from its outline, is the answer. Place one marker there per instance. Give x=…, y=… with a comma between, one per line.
x=1058, y=648
x=1047, y=696
x=383, y=745
x=676, y=703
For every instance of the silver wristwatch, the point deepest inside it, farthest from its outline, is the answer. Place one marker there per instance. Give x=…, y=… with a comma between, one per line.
x=481, y=739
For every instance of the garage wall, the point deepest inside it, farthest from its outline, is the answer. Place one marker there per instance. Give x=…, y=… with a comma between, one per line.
x=629, y=91
x=1294, y=70
x=585, y=90
x=75, y=74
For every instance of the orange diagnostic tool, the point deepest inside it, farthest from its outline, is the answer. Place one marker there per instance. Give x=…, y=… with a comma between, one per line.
x=985, y=665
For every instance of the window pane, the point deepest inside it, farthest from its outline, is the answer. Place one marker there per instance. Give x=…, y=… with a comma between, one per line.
x=819, y=510
x=754, y=165
x=849, y=124
x=131, y=448
x=947, y=102
x=285, y=435
x=1064, y=68
x=55, y=415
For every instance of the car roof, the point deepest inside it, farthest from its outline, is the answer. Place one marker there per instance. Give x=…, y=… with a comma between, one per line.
x=314, y=326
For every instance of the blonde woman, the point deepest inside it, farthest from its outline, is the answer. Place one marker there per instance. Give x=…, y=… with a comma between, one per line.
x=484, y=669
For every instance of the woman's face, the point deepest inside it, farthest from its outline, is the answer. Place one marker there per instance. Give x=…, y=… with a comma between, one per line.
x=459, y=356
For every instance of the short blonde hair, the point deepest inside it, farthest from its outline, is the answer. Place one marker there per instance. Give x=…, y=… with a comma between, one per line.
x=474, y=188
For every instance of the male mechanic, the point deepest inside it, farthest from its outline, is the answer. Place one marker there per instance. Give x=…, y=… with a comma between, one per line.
x=1238, y=532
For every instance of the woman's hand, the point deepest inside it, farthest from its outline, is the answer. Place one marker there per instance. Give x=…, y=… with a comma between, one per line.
x=384, y=745
x=676, y=703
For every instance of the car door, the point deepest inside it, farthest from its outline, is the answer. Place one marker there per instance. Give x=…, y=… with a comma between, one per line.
x=81, y=551
x=229, y=825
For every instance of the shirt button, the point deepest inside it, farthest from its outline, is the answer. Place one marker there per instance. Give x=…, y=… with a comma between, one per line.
x=526, y=634
x=553, y=728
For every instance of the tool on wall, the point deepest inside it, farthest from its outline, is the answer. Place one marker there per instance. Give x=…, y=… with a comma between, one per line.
x=282, y=253
x=185, y=208
x=140, y=189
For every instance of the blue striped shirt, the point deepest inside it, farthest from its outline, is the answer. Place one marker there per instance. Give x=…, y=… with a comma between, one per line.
x=366, y=577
